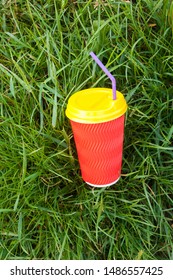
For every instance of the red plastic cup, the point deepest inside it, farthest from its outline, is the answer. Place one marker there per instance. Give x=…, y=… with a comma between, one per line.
x=97, y=123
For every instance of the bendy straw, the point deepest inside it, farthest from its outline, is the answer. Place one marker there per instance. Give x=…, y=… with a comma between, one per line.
x=107, y=73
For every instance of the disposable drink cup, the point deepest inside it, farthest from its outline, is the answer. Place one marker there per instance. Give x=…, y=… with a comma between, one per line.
x=97, y=123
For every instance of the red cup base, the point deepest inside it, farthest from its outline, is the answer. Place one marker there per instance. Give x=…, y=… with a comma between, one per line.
x=103, y=186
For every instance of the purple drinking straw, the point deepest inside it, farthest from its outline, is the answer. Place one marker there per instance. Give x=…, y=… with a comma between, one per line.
x=106, y=72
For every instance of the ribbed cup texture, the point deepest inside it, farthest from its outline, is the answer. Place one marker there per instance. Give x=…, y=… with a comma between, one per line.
x=99, y=148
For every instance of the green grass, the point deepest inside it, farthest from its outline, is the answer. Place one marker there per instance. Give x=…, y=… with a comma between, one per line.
x=46, y=210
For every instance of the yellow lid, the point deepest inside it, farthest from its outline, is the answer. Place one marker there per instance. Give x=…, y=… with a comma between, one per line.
x=95, y=105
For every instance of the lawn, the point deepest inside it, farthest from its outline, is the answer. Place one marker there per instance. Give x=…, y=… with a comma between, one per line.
x=46, y=210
